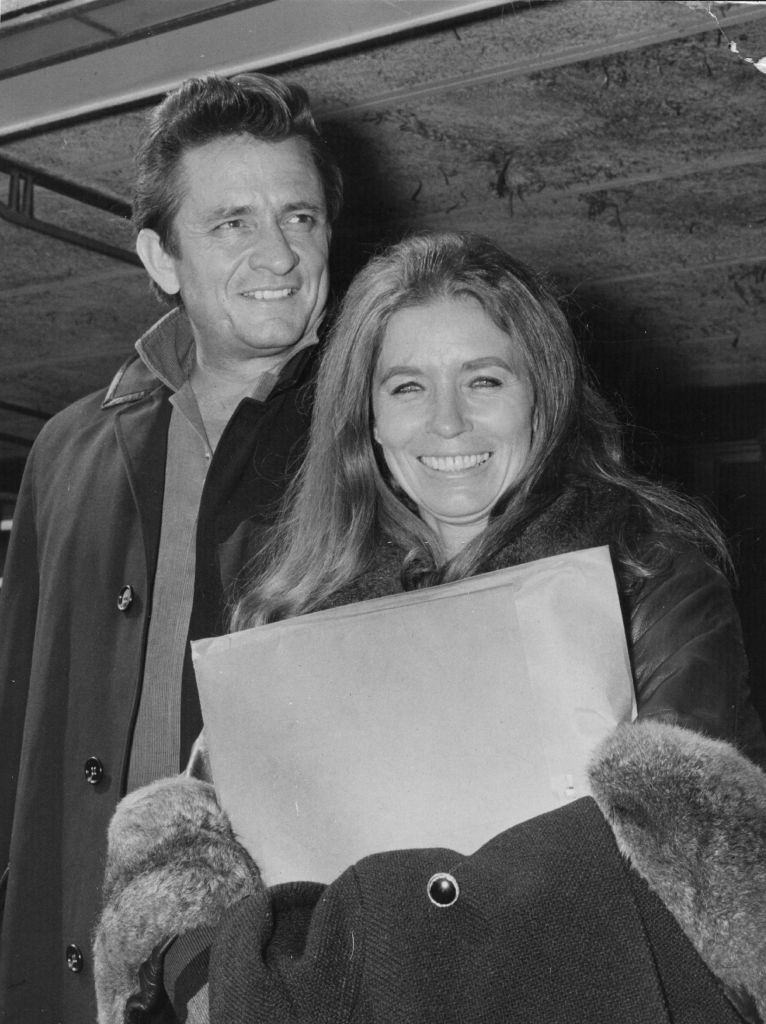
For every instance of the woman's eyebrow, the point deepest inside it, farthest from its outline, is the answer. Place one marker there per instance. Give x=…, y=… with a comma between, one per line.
x=478, y=364
x=397, y=371
x=482, y=362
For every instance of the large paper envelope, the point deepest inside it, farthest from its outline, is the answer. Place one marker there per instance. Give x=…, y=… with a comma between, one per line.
x=438, y=717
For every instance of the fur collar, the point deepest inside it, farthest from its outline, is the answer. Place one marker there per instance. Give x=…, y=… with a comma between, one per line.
x=580, y=517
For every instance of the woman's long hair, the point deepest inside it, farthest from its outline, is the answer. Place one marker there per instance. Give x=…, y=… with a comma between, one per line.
x=342, y=502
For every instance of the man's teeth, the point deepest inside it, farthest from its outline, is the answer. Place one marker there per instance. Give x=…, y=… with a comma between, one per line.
x=269, y=293
x=452, y=463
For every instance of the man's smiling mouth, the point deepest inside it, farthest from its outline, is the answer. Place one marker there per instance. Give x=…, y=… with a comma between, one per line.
x=454, y=463
x=269, y=294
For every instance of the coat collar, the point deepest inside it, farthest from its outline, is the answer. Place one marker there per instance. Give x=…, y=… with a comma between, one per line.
x=144, y=373
x=585, y=514
x=163, y=354
x=581, y=516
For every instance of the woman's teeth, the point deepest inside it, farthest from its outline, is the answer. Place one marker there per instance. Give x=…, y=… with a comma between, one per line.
x=453, y=463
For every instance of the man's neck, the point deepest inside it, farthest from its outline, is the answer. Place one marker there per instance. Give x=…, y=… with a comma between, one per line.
x=219, y=392
x=220, y=385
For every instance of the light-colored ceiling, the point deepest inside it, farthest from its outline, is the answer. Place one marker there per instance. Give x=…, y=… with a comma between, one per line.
x=619, y=143
x=97, y=54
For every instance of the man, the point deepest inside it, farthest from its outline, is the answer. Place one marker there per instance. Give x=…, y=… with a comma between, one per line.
x=137, y=502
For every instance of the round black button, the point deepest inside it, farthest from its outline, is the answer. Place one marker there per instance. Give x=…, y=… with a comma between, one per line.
x=74, y=958
x=94, y=771
x=443, y=889
x=125, y=598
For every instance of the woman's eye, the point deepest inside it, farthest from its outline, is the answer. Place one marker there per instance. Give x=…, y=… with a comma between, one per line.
x=406, y=387
x=486, y=382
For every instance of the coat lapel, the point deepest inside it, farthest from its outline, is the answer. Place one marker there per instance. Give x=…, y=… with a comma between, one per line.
x=141, y=429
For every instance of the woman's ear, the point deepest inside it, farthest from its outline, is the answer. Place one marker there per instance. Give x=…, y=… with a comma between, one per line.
x=159, y=263
x=375, y=435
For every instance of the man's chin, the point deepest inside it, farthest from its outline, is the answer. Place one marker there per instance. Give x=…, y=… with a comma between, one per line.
x=274, y=337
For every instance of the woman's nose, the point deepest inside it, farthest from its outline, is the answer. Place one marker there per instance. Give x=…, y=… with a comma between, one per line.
x=449, y=416
x=272, y=251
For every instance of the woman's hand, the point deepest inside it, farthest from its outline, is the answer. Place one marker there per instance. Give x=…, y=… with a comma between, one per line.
x=198, y=765
x=173, y=864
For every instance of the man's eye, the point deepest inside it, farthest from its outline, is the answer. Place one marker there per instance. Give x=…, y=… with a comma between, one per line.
x=231, y=225
x=301, y=220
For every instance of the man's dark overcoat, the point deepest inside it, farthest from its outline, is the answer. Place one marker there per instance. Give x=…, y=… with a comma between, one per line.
x=73, y=627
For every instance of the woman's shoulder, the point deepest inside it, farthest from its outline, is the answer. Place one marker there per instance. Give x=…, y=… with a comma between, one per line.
x=652, y=527
x=685, y=570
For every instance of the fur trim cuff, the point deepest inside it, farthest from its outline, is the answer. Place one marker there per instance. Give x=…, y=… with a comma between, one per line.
x=173, y=864
x=689, y=813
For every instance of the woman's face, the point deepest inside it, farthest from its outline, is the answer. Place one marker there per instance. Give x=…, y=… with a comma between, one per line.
x=453, y=413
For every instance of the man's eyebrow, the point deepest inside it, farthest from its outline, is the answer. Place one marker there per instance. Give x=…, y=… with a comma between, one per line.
x=246, y=209
x=305, y=205
x=229, y=212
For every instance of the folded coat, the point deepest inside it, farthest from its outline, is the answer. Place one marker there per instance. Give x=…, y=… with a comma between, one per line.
x=643, y=904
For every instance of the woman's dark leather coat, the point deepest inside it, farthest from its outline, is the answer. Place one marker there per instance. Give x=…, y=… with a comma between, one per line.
x=683, y=630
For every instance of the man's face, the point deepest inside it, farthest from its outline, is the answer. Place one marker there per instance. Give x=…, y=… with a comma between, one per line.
x=252, y=239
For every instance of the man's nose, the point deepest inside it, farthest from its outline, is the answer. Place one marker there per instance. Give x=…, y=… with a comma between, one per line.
x=449, y=416
x=272, y=251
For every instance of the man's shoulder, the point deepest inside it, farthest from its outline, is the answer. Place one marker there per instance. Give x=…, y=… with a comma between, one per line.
x=77, y=411
x=130, y=383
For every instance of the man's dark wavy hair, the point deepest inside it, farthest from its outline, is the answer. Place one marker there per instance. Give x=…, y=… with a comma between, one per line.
x=203, y=110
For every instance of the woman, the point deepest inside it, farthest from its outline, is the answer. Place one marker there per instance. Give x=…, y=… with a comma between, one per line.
x=455, y=432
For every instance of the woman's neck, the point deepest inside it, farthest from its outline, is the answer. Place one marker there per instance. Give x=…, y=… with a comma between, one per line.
x=454, y=537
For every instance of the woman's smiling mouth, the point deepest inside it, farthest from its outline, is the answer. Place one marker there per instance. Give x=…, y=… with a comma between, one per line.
x=454, y=463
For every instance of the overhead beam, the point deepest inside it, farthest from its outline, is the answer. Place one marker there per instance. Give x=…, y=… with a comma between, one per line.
x=24, y=410
x=265, y=35
x=22, y=442
x=34, y=38
x=20, y=207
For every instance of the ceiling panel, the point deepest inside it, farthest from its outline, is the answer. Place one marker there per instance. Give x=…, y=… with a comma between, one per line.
x=19, y=49
x=45, y=34
x=618, y=143
x=256, y=34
